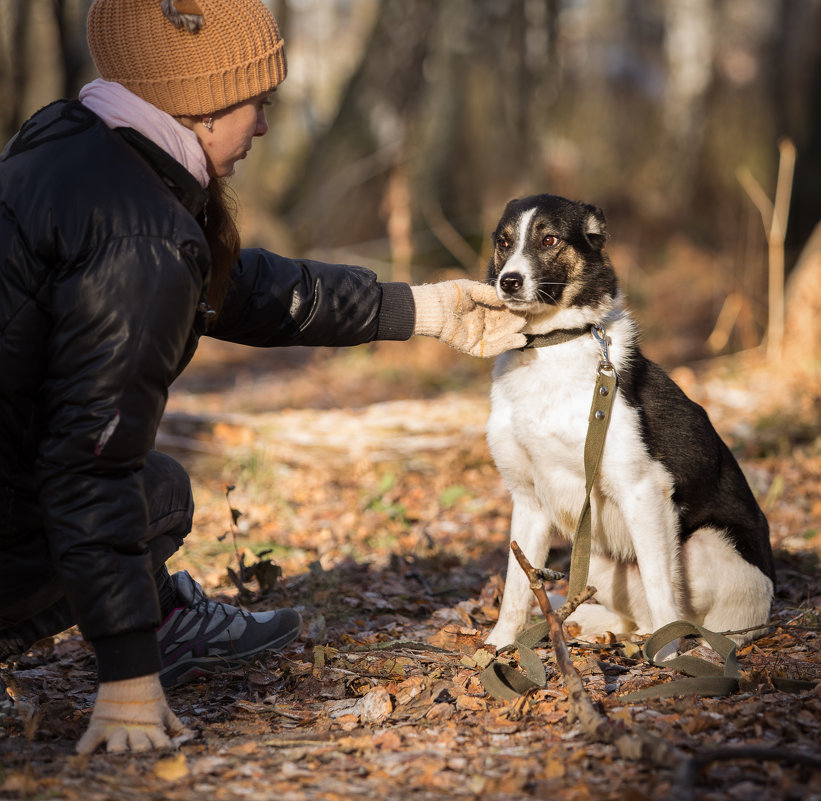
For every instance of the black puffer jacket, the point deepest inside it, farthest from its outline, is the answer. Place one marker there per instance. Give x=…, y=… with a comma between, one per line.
x=103, y=267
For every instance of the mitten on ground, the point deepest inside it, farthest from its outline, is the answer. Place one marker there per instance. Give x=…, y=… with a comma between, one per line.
x=468, y=316
x=130, y=715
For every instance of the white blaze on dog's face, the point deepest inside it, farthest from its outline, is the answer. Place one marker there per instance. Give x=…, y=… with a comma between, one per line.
x=543, y=246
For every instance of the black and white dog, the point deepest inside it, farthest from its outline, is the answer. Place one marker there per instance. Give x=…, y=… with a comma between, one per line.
x=677, y=533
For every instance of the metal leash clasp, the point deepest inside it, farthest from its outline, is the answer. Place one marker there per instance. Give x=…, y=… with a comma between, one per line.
x=604, y=342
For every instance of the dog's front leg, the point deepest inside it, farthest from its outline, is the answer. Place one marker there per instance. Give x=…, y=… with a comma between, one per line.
x=530, y=528
x=653, y=524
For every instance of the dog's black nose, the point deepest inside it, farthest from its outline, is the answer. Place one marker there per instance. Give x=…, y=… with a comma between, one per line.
x=511, y=282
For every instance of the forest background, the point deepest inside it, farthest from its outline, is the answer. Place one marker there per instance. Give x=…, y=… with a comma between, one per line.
x=362, y=474
x=403, y=128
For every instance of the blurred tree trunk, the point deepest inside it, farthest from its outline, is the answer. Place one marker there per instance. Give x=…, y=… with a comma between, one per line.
x=802, y=332
x=806, y=202
x=28, y=30
x=69, y=19
x=689, y=48
x=13, y=67
x=438, y=116
x=475, y=131
x=339, y=191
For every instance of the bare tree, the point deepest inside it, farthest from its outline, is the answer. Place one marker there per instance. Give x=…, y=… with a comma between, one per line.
x=13, y=66
x=69, y=19
x=337, y=194
x=438, y=117
x=24, y=36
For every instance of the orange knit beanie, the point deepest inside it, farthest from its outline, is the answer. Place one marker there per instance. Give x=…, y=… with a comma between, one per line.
x=187, y=57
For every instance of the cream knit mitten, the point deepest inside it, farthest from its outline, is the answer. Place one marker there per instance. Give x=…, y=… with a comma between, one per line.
x=130, y=715
x=468, y=316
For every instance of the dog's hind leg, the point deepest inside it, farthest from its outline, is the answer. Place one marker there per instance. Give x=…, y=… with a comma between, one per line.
x=530, y=527
x=723, y=591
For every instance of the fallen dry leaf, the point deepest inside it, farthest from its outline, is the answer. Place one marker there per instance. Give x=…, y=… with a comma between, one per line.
x=375, y=707
x=471, y=702
x=410, y=688
x=171, y=769
x=393, y=549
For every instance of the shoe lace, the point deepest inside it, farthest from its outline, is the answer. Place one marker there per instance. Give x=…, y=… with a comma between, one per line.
x=203, y=605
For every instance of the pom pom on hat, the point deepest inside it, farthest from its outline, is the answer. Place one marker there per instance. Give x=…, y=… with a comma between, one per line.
x=184, y=14
x=187, y=57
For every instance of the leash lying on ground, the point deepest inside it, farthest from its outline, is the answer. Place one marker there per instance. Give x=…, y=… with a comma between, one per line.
x=706, y=678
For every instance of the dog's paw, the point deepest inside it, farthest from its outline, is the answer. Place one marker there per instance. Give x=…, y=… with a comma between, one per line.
x=594, y=619
x=501, y=636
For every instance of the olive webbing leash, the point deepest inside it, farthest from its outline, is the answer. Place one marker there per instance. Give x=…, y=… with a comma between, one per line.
x=598, y=422
x=705, y=678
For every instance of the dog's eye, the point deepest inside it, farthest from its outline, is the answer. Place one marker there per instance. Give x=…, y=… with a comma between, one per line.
x=549, y=241
x=502, y=242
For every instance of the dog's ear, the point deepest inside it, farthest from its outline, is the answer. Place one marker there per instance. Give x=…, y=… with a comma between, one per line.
x=595, y=226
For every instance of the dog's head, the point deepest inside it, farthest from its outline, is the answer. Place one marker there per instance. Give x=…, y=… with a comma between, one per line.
x=549, y=252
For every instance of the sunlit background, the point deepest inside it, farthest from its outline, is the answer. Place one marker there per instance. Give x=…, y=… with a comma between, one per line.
x=403, y=129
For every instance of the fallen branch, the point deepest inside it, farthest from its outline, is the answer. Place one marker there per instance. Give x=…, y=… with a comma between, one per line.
x=639, y=744
x=390, y=645
x=296, y=743
x=688, y=771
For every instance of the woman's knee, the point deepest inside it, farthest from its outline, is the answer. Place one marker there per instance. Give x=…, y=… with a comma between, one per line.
x=168, y=493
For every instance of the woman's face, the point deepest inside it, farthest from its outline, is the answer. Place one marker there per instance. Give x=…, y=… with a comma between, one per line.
x=231, y=134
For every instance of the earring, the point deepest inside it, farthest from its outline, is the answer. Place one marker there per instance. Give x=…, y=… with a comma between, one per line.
x=208, y=123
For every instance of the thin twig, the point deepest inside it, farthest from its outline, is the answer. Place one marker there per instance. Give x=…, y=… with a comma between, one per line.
x=546, y=574
x=570, y=605
x=390, y=645
x=581, y=706
x=444, y=231
x=296, y=743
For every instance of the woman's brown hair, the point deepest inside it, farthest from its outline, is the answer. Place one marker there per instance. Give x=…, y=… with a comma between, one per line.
x=222, y=235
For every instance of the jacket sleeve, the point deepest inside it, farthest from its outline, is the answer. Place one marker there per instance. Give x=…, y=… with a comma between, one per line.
x=277, y=301
x=120, y=322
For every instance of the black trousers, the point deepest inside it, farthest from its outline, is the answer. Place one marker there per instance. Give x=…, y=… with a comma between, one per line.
x=32, y=601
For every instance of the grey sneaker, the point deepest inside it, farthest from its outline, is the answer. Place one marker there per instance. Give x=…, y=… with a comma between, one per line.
x=202, y=636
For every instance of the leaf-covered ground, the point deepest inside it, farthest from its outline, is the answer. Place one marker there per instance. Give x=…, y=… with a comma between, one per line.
x=363, y=476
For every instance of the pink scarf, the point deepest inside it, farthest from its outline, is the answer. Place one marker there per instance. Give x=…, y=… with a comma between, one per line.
x=120, y=108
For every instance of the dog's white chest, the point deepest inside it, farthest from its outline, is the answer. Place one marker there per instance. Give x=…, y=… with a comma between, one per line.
x=540, y=410
x=542, y=400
